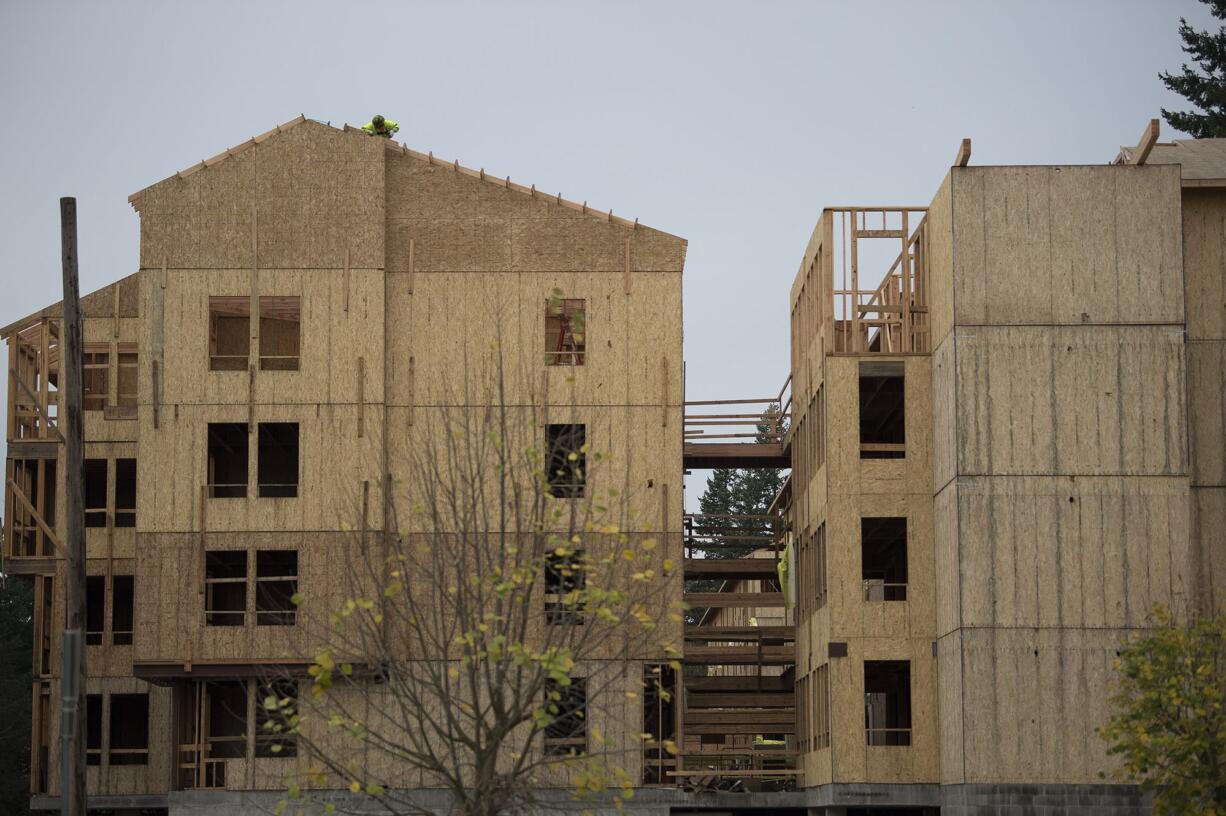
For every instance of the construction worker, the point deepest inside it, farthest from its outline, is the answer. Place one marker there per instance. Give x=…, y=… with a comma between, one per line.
x=378, y=126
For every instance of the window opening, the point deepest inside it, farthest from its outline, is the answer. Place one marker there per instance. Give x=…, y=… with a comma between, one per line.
x=565, y=331
x=280, y=333
x=125, y=492
x=883, y=558
x=95, y=609
x=887, y=702
x=227, y=460
x=95, y=492
x=227, y=719
x=882, y=411
x=129, y=730
x=565, y=579
x=93, y=729
x=122, y=596
x=225, y=588
x=278, y=460
x=567, y=704
x=125, y=396
x=276, y=583
x=566, y=447
x=275, y=706
x=95, y=377
x=229, y=333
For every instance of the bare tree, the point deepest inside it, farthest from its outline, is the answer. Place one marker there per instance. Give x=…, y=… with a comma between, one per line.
x=501, y=623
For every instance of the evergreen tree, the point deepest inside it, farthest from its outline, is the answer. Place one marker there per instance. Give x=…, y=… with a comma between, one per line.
x=1206, y=89
x=16, y=646
x=740, y=492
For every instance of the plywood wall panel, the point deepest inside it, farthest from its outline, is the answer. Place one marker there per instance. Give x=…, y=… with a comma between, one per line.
x=1063, y=552
x=1208, y=555
x=1067, y=245
x=1204, y=242
x=1206, y=414
x=1077, y=400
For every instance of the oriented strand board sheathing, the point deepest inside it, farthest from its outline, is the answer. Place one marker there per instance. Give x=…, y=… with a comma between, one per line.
x=1035, y=400
x=1206, y=413
x=1067, y=245
x=1204, y=225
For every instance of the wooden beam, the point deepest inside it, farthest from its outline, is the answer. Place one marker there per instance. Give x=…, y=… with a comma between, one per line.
x=747, y=683
x=748, y=728
x=725, y=600
x=964, y=154
x=38, y=519
x=1148, y=139
x=756, y=699
x=734, y=632
x=740, y=655
x=729, y=567
x=748, y=716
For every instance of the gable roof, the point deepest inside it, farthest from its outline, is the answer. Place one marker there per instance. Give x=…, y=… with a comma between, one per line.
x=1202, y=161
x=396, y=147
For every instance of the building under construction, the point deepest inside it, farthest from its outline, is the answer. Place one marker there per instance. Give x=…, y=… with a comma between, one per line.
x=1002, y=418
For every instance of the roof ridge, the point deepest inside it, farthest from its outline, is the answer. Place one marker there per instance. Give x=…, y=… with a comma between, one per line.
x=505, y=182
x=223, y=155
x=397, y=147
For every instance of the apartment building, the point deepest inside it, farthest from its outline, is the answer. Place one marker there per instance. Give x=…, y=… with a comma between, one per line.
x=1003, y=419
x=1008, y=410
x=309, y=305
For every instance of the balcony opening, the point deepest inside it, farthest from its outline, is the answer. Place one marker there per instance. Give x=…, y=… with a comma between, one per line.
x=225, y=588
x=565, y=331
x=95, y=609
x=227, y=732
x=276, y=583
x=229, y=333
x=276, y=704
x=883, y=558
x=567, y=704
x=882, y=411
x=122, y=596
x=129, y=730
x=95, y=372
x=227, y=460
x=278, y=460
x=566, y=460
x=93, y=729
x=565, y=579
x=125, y=394
x=660, y=721
x=887, y=702
x=95, y=492
x=280, y=333
x=125, y=492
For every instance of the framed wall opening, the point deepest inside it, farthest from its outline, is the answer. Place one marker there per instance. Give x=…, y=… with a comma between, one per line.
x=93, y=729
x=95, y=609
x=229, y=333
x=883, y=558
x=882, y=410
x=123, y=596
x=565, y=331
x=277, y=467
x=887, y=702
x=227, y=475
x=125, y=492
x=567, y=704
x=95, y=372
x=227, y=719
x=225, y=588
x=96, y=472
x=276, y=584
x=565, y=577
x=280, y=332
x=129, y=730
x=566, y=460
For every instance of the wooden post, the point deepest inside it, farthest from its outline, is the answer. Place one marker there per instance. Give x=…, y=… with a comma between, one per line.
x=72, y=721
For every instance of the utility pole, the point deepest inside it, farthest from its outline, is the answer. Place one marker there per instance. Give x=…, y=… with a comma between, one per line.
x=72, y=676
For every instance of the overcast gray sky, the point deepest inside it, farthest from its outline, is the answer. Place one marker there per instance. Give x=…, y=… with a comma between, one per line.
x=729, y=124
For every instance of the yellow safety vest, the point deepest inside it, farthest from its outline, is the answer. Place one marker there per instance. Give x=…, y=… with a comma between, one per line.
x=389, y=127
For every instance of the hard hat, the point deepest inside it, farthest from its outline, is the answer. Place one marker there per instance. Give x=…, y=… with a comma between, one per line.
x=377, y=120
